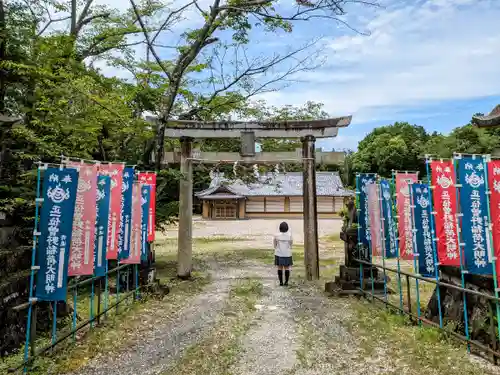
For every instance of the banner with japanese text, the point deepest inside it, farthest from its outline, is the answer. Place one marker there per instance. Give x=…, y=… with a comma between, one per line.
x=445, y=206
x=134, y=254
x=423, y=232
x=103, y=202
x=374, y=217
x=149, y=178
x=56, y=221
x=145, y=202
x=475, y=223
x=126, y=214
x=404, y=213
x=115, y=172
x=494, y=188
x=81, y=256
x=362, y=180
x=391, y=250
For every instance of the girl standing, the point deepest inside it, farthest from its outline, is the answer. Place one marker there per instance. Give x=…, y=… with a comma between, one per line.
x=283, y=252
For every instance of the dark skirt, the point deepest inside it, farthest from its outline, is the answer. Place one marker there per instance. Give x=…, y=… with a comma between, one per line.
x=283, y=261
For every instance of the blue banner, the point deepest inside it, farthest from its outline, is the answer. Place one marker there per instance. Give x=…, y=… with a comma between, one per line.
x=362, y=180
x=423, y=232
x=56, y=223
x=102, y=220
x=145, y=201
x=126, y=214
x=391, y=250
x=471, y=176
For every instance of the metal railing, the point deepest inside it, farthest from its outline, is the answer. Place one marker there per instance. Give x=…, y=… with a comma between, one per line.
x=101, y=303
x=413, y=309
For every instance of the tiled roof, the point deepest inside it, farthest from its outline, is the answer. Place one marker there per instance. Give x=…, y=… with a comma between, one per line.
x=284, y=184
x=490, y=120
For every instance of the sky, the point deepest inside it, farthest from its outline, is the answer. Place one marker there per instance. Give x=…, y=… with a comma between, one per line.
x=430, y=62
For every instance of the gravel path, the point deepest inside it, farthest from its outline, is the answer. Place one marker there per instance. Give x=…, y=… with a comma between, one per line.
x=270, y=346
x=156, y=350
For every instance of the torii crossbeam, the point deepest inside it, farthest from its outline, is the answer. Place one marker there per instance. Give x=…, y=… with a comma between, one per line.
x=248, y=131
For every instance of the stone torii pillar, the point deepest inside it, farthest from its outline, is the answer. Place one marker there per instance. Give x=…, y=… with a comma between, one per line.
x=307, y=131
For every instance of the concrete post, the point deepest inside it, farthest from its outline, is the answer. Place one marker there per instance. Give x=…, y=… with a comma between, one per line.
x=311, y=254
x=185, y=233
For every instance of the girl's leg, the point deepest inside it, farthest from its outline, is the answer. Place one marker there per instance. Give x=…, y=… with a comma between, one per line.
x=280, y=274
x=287, y=274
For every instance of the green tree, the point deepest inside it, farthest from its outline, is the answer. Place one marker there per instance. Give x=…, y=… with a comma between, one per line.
x=394, y=147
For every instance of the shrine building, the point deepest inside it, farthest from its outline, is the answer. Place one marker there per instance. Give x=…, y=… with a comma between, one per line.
x=272, y=196
x=491, y=120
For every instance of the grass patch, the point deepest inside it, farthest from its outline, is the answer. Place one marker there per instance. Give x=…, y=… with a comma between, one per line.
x=119, y=330
x=219, y=352
x=426, y=350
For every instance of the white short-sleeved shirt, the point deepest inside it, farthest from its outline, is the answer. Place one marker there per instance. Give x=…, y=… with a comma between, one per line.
x=283, y=244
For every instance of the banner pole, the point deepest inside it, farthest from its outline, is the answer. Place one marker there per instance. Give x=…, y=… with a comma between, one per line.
x=395, y=229
x=358, y=210
x=460, y=249
x=54, y=324
x=75, y=298
x=416, y=254
x=38, y=202
x=434, y=240
x=486, y=160
x=382, y=241
x=137, y=281
x=106, y=291
x=92, y=297
x=117, y=288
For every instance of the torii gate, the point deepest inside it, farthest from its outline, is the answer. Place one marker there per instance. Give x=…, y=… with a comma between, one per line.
x=306, y=130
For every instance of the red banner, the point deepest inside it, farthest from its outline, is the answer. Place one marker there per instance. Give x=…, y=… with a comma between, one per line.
x=135, y=235
x=149, y=178
x=115, y=171
x=445, y=206
x=494, y=188
x=404, y=214
x=81, y=253
x=374, y=215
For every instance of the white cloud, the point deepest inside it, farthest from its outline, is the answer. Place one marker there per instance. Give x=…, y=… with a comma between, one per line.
x=421, y=51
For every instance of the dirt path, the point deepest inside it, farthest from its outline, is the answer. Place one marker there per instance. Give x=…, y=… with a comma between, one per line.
x=265, y=329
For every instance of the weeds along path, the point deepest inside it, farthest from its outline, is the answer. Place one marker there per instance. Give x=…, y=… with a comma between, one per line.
x=159, y=345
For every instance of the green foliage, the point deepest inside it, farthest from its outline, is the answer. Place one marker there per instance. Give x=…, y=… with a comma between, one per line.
x=402, y=146
x=395, y=147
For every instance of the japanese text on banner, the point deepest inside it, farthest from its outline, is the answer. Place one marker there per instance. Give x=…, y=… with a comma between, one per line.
x=149, y=178
x=391, y=250
x=445, y=206
x=145, y=202
x=103, y=202
x=81, y=257
x=362, y=180
x=494, y=188
x=59, y=195
x=404, y=213
x=126, y=214
x=115, y=172
x=374, y=215
x=134, y=256
x=474, y=215
x=423, y=233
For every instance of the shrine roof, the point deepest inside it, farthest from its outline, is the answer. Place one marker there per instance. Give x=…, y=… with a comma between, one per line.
x=282, y=184
x=493, y=119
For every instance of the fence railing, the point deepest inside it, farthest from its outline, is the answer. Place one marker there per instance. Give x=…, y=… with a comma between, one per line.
x=408, y=296
x=90, y=296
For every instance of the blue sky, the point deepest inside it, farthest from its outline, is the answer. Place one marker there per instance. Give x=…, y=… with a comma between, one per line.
x=429, y=62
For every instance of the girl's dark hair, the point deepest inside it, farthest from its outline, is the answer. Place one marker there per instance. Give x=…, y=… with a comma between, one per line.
x=283, y=227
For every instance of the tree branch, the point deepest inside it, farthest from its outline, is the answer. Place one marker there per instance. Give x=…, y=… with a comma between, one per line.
x=148, y=40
